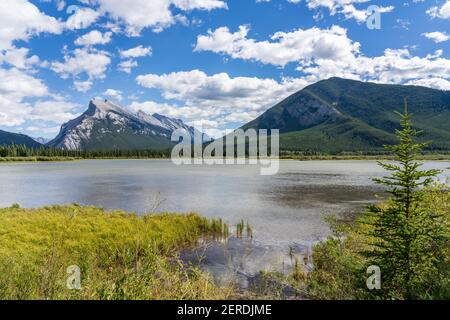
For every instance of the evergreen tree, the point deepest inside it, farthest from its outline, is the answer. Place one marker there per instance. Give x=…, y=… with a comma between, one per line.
x=406, y=238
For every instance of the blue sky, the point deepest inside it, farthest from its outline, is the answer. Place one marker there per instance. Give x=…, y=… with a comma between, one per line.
x=214, y=63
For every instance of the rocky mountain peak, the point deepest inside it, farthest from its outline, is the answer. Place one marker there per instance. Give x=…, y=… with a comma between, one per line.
x=105, y=106
x=106, y=125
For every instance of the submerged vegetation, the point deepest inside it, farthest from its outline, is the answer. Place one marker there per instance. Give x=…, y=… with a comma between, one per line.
x=120, y=255
x=240, y=227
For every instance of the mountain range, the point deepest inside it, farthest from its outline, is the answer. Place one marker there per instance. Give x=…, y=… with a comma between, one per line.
x=332, y=115
x=107, y=126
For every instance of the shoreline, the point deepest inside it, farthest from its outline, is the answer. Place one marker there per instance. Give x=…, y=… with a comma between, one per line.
x=437, y=157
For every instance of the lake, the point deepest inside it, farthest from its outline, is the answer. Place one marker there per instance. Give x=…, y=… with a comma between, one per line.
x=285, y=210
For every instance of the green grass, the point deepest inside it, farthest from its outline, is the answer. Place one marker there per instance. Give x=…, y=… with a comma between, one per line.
x=121, y=255
x=37, y=159
x=425, y=157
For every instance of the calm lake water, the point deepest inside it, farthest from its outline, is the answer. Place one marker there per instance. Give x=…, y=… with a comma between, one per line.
x=285, y=210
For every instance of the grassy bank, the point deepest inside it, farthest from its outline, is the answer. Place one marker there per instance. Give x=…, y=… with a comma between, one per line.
x=120, y=255
x=425, y=157
x=37, y=159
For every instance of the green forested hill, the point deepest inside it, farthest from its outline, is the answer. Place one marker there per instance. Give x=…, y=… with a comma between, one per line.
x=345, y=115
x=8, y=138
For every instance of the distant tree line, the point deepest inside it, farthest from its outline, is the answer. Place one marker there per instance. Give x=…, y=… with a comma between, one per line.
x=24, y=151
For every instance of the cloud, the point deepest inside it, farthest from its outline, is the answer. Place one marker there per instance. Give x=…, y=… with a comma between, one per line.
x=395, y=66
x=437, y=83
x=94, y=37
x=16, y=90
x=333, y=5
x=33, y=130
x=344, y=7
x=137, y=52
x=82, y=18
x=157, y=15
x=53, y=110
x=361, y=15
x=115, y=94
x=17, y=84
x=442, y=12
x=127, y=65
x=188, y=5
x=194, y=116
x=60, y=5
x=324, y=53
x=13, y=112
x=198, y=88
x=20, y=19
x=18, y=58
x=437, y=36
x=302, y=45
x=87, y=61
x=219, y=97
x=83, y=86
x=130, y=55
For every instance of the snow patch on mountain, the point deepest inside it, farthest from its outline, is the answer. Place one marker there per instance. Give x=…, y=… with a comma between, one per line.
x=41, y=140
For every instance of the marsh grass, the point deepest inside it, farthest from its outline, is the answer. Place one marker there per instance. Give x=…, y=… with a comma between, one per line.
x=242, y=226
x=362, y=157
x=37, y=159
x=121, y=255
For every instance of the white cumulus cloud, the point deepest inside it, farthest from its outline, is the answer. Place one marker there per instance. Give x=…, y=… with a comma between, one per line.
x=20, y=19
x=283, y=47
x=82, y=18
x=139, y=51
x=324, y=53
x=437, y=36
x=93, y=63
x=442, y=12
x=218, y=98
x=94, y=37
x=157, y=15
x=115, y=94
